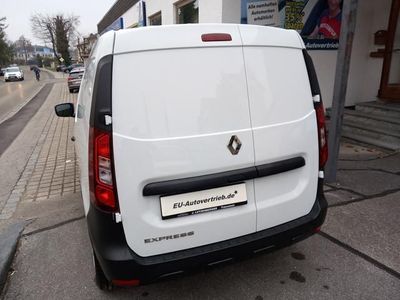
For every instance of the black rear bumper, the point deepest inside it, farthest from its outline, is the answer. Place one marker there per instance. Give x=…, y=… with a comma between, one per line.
x=119, y=262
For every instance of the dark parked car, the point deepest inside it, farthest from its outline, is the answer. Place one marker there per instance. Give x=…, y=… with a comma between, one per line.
x=73, y=66
x=2, y=70
x=60, y=68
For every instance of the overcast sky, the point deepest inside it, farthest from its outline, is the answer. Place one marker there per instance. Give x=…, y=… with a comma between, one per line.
x=18, y=13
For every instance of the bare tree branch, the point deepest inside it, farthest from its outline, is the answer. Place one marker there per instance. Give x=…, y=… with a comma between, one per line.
x=57, y=30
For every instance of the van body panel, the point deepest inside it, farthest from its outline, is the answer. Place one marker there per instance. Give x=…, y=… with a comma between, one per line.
x=177, y=101
x=173, y=37
x=278, y=86
x=162, y=102
x=253, y=35
x=175, y=120
x=103, y=47
x=284, y=126
x=290, y=195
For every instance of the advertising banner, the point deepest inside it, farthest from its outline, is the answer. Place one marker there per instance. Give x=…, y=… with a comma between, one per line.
x=263, y=12
x=317, y=21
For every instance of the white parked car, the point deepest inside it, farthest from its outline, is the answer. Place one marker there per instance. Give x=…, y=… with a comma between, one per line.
x=198, y=144
x=13, y=73
x=74, y=79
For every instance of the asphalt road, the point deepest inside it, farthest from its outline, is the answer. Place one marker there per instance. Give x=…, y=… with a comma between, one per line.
x=16, y=93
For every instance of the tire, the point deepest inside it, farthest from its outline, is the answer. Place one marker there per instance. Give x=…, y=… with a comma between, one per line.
x=71, y=90
x=100, y=279
x=6, y=80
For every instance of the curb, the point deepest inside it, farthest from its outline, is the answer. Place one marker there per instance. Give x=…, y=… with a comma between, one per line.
x=8, y=245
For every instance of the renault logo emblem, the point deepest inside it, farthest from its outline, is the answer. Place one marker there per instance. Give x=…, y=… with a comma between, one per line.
x=234, y=145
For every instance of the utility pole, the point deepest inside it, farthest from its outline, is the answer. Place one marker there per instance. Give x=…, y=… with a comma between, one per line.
x=25, y=53
x=348, y=26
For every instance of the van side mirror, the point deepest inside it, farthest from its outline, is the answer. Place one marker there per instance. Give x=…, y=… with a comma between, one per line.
x=65, y=110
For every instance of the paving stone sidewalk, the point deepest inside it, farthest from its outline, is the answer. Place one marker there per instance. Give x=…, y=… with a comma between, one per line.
x=52, y=169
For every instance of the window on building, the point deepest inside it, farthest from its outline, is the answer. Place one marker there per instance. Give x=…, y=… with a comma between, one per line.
x=187, y=11
x=155, y=19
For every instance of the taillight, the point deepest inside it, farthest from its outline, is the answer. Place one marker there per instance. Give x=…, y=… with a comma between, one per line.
x=101, y=171
x=69, y=78
x=103, y=190
x=319, y=109
x=322, y=138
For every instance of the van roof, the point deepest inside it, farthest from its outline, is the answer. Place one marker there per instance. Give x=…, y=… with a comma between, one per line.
x=189, y=36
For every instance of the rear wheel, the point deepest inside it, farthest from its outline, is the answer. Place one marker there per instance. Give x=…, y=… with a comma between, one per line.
x=100, y=279
x=71, y=90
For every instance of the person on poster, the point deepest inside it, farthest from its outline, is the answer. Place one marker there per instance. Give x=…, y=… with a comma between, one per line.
x=329, y=22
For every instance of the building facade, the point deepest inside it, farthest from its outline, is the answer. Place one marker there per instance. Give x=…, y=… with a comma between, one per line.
x=374, y=71
x=31, y=52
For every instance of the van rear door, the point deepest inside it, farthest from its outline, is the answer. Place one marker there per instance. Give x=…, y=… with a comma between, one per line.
x=177, y=101
x=284, y=123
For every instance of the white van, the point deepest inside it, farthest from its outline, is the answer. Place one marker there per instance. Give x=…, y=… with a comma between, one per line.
x=197, y=144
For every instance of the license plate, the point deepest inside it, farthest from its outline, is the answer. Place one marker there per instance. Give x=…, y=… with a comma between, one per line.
x=203, y=201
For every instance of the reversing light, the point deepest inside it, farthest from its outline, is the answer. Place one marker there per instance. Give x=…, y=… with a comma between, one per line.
x=103, y=156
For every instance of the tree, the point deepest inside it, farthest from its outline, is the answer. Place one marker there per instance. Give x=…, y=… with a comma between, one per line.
x=57, y=30
x=39, y=60
x=23, y=45
x=5, y=47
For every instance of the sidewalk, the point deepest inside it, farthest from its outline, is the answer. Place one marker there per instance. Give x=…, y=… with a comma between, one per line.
x=52, y=169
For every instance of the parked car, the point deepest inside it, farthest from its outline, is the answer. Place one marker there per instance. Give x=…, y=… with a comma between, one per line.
x=2, y=70
x=60, y=68
x=74, y=79
x=13, y=73
x=203, y=160
x=73, y=66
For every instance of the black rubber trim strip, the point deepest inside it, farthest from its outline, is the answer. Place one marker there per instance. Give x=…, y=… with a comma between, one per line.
x=312, y=75
x=280, y=166
x=191, y=184
x=102, y=93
